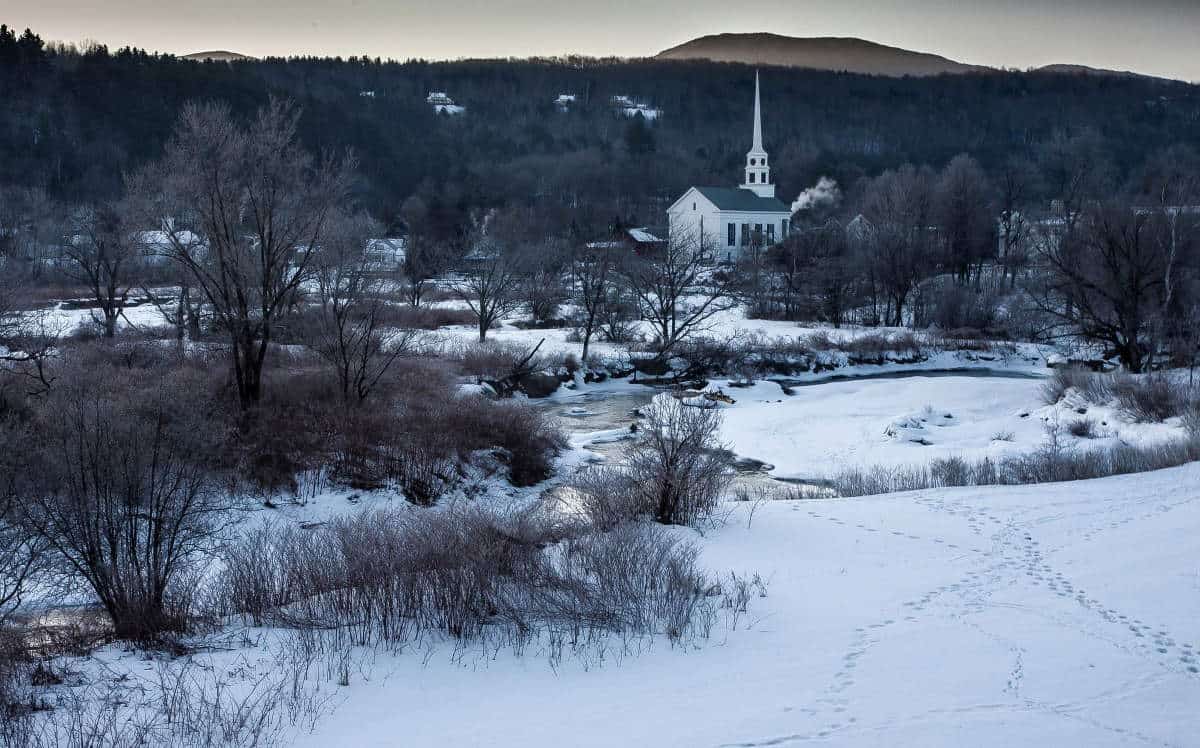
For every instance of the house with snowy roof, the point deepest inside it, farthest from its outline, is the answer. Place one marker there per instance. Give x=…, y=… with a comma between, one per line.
x=443, y=104
x=728, y=220
x=639, y=241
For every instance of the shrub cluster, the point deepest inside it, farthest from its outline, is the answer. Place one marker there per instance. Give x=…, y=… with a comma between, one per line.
x=392, y=576
x=1146, y=398
x=753, y=354
x=493, y=360
x=675, y=472
x=424, y=317
x=131, y=467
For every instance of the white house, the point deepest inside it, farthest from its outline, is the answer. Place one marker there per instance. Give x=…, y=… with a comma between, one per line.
x=385, y=253
x=729, y=219
x=626, y=106
x=443, y=104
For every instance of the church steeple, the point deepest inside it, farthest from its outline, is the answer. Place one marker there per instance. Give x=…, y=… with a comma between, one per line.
x=757, y=145
x=758, y=173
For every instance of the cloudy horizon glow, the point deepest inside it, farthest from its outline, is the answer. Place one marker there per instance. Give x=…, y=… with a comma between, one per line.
x=1155, y=37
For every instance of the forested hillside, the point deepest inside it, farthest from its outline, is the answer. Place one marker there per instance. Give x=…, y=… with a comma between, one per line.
x=75, y=120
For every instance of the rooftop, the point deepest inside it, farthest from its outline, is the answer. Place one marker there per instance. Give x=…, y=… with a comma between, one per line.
x=736, y=198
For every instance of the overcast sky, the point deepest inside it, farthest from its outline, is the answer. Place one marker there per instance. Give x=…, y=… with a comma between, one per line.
x=1149, y=36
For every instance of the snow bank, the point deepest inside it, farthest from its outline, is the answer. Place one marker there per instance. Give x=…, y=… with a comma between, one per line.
x=1038, y=615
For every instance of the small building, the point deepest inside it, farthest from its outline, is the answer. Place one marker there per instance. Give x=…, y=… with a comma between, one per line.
x=157, y=247
x=638, y=241
x=627, y=106
x=443, y=104
x=727, y=220
x=386, y=253
x=564, y=102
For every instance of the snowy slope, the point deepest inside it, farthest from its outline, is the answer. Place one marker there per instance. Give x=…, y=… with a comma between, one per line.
x=1063, y=614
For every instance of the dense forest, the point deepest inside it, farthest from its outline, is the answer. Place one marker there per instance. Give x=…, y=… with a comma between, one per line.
x=76, y=120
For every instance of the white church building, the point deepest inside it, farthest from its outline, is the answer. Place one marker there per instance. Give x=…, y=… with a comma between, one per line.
x=729, y=219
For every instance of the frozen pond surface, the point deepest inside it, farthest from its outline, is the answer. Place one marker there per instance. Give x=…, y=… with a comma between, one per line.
x=802, y=430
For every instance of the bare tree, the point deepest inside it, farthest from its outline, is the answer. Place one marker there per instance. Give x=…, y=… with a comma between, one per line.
x=618, y=317
x=23, y=555
x=1077, y=171
x=115, y=481
x=816, y=272
x=675, y=290
x=183, y=312
x=1015, y=183
x=676, y=467
x=349, y=332
x=489, y=286
x=104, y=255
x=593, y=275
x=964, y=215
x=755, y=281
x=426, y=254
x=425, y=258
x=23, y=562
x=543, y=293
x=1107, y=280
x=29, y=340
x=899, y=205
x=1170, y=190
x=541, y=257
x=31, y=224
x=256, y=206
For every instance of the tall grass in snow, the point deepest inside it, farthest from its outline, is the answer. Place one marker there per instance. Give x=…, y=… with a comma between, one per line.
x=1050, y=464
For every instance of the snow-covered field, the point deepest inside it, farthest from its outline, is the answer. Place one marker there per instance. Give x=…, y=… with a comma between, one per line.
x=726, y=323
x=819, y=430
x=1061, y=614
x=1058, y=614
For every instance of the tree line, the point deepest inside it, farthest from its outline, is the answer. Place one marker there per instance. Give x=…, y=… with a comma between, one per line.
x=78, y=118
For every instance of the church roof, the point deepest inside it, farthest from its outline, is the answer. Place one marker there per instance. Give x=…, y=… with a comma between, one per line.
x=736, y=198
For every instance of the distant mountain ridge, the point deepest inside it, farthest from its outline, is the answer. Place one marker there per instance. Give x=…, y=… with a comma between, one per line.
x=843, y=54
x=220, y=55
x=1068, y=69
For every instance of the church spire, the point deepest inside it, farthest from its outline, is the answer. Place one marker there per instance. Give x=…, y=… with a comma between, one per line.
x=757, y=145
x=758, y=174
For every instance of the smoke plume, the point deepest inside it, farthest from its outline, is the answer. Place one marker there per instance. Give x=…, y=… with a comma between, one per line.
x=825, y=194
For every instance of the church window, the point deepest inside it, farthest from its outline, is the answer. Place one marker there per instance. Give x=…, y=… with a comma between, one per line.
x=745, y=233
x=785, y=227
x=753, y=162
x=751, y=177
x=693, y=206
x=758, y=233
x=732, y=234
x=770, y=233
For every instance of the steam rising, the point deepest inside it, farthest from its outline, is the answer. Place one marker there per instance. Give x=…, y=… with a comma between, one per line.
x=825, y=194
